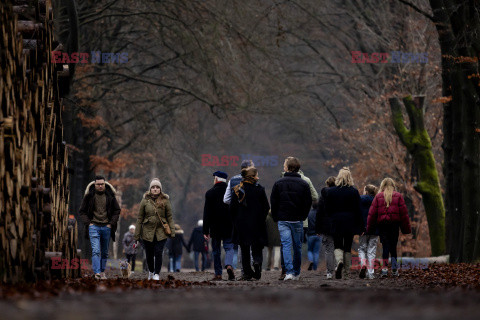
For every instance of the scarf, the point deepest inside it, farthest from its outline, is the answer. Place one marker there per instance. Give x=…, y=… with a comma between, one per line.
x=240, y=191
x=158, y=200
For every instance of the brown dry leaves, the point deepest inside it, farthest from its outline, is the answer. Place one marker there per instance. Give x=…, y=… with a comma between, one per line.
x=462, y=275
x=47, y=289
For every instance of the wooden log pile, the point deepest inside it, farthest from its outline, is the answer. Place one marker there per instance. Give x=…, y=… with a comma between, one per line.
x=34, y=181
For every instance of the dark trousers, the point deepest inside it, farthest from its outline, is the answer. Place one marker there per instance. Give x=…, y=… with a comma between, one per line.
x=154, y=252
x=246, y=261
x=204, y=259
x=389, y=238
x=343, y=241
x=131, y=259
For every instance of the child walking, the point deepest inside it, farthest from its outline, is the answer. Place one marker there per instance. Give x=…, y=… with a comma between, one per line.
x=389, y=213
x=368, y=242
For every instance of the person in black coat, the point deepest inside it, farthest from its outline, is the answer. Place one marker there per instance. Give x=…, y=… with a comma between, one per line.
x=323, y=227
x=249, y=209
x=198, y=242
x=217, y=224
x=291, y=200
x=342, y=204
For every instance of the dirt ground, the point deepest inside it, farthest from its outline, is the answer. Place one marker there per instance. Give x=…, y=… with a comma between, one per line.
x=193, y=297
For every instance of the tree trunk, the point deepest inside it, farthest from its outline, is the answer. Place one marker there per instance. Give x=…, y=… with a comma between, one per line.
x=458, y=27
x=419, y=146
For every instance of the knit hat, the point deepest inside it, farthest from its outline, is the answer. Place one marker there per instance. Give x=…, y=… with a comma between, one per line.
x=132, y=226
x=200, y=223
x=155, y=182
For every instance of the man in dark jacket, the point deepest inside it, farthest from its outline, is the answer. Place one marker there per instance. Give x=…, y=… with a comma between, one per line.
x=291, y=200
x=217, y=224
x=198, y=242
x=99, y=212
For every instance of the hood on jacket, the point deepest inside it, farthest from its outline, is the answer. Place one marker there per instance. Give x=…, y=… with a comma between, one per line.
x=91, y=187
x=161, y=192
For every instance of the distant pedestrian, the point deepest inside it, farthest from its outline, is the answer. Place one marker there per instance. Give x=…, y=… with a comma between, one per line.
x=99, y=212
x=291, y=200
x=367, y=249
x=273, y=244
x=342, y=203
x=198, y=242
x=217, y=225
x=175, y=250
x=389, y=213
x=249, y=208
x=154, y=225
x=323, y=227
x=313, y=240
x=128, y=246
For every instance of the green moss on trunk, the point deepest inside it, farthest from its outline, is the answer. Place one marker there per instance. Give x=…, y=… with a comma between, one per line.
x=419, y=146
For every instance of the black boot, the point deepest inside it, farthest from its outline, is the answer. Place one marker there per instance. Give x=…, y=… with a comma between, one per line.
x=258, y=271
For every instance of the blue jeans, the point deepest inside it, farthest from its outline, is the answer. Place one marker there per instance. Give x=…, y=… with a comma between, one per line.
x=175, y=262
x=313, y=243
x=204, y=259
x=217, y=254
x=99, y=239
x=291, y=235
x=235, y=256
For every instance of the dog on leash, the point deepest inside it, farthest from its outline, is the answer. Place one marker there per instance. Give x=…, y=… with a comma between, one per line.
x=125, y=269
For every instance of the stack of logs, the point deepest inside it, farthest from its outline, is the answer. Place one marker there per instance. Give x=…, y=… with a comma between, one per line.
x=33, y=158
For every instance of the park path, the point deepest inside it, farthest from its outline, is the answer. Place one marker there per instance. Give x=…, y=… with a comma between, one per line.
x=312, y=297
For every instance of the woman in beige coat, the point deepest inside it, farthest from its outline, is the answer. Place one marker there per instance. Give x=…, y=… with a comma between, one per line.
x=154, y=225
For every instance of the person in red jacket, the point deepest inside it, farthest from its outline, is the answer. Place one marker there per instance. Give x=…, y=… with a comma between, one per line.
x=389, y=213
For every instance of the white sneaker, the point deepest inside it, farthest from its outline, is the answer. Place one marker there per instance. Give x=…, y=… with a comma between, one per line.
x=296, y=278
x=329, y=276
x=288, y=277
x=156, y=276
x=103, y=276
x=370, y=276
x=384, y=273
x=133, y=272
x=150, y=275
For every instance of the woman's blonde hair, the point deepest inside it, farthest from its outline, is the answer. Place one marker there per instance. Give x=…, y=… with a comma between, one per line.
x=344, y=178
x=387, y=187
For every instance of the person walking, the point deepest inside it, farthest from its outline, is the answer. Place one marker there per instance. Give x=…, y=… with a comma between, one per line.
x=389, y=213
x=154, y=225
x=249, y=208
x=367, y=249
x=323, y=228
x=291, y=200
x=128, y=248
x=198, y=242
x=342, y=203
x=313, y=239
x=217, y=225
x=175, y=250
x=99, y=212
x=235, y=180
x=273, y=244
